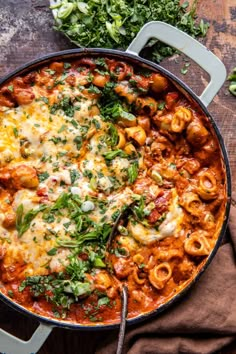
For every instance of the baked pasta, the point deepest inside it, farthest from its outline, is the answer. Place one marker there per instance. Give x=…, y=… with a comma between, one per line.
x=80, y=142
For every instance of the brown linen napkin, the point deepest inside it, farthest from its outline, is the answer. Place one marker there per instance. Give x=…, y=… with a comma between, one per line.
x=202, y=322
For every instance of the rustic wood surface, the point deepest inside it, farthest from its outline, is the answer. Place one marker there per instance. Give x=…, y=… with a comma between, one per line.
x=26, y=32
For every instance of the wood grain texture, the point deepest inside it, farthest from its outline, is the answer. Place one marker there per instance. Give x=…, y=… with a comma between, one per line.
x=26, y=33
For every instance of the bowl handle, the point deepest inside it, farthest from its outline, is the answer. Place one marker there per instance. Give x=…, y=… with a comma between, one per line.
x=187, y=45
x=10, y=344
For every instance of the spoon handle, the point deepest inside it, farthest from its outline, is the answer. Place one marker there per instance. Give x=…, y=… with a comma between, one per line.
x=121, y=336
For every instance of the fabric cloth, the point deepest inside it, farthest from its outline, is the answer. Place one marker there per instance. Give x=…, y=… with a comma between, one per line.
x=202, y=322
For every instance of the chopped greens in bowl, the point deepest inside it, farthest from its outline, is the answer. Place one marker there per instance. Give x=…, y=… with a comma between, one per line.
x=115, y=23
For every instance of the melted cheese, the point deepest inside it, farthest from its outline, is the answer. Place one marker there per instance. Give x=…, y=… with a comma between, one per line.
x=59, y=147
x=171, y=226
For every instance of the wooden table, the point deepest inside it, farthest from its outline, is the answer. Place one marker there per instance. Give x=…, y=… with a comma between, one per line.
x=26, y=33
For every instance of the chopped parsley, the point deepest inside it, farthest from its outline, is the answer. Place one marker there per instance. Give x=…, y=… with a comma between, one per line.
x=10, y=88
x=44, y=99
x=78, y=141
x=74, y=175
x=43, y=176
x=67, y=65
x=15, y=132
x=115, y=24
x=57, y=139
x=161, y=105
x=114, y=109
x=10, y=293
x=113, y=138
x=184, y=70
x=23, y=221
x=110, y=155
x=63, y=127
x=74, y=123
x=51, y=72
x=94, y=89
x=133, y=172
x=63, y=291
x=65, y=105
x=103, y=301
x=52, y=251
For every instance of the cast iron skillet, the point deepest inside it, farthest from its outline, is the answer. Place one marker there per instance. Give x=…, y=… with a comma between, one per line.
x=215, y=68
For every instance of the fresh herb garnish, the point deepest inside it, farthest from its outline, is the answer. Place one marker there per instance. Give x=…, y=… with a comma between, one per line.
x=57, y=139
x=161, y=105
x=121, y=252
x=138, y=209
x=112, y=154
x=133, y=172
x=52, y=251
x=94, y=89
x=184, y=70
x=15, y=132
x=62, y=128
x=51, y=72
x=103, y=301
x=67, y=65
x=232, y=79
x=64, y=292
x=43, y=99
x=115, y=24
x=10, y=88
x=114, y=110
x=10, y=293
x=78, y=141
x=23, y=221
x=112, y=138
x=65, y=105
x=43, y=176
x=74, y=175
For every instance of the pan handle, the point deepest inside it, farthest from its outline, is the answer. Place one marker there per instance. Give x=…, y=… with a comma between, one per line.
x=187, y=45
x=10, y=344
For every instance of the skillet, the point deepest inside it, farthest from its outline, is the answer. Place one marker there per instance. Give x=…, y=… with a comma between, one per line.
x=211, y=64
